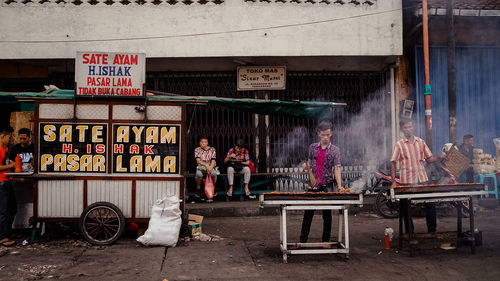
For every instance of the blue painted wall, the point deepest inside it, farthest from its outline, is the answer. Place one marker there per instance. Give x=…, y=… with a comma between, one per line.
x=478, y=95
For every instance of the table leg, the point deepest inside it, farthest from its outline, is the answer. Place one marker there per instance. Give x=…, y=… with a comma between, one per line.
x=285, y=242
x=471, y=219
x=400, y=242
x=281, y=225
x=411, y=235
x=459, y=219
x=341, y=212
x=346, y=230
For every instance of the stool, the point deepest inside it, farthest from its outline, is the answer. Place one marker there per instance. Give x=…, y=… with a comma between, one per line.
x=493, y=177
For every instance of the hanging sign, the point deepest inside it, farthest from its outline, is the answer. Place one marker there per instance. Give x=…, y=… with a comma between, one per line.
x=261, y=78
x=110, y=74
x=146, y=149
x=72, y=148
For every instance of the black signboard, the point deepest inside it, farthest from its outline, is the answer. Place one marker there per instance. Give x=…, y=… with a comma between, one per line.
x=146, y=148
x=72, y=148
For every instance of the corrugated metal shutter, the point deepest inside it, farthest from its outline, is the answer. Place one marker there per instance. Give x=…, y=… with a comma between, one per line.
x=478, y=95
x=60, y=199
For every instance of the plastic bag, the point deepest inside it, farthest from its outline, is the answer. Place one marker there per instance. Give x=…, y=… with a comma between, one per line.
x=251, y=166
x=164, y=224
x=209, y=187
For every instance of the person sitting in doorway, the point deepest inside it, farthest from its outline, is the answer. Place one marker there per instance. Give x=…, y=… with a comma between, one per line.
x=237, y=160
x=205, y=164
x=467, y=149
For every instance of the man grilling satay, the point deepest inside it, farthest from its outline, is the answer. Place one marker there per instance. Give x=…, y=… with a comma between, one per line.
x=411, y=152
x=324, y=165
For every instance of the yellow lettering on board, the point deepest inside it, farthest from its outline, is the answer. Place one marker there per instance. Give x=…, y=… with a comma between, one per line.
x=122, y=134
x=153, y=164
x=152, y=135
x=45, y=160
x=81, y=132
x=119, y=164
x=169, y=164
x=138, y=132
x=49, y=133
x=65, y=133
x=99, y=162
x=97, y=133
x=86, y=163
x=168, y=136
x=136, y=164
x=73, y=164
x=60, y=162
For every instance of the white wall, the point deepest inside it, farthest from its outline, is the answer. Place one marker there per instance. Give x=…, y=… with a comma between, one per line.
x=174, y=30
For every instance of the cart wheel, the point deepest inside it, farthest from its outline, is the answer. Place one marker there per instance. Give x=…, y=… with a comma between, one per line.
x=102, y=223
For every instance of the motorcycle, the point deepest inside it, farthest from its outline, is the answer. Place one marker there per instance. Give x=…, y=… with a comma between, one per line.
x=390, y=209
x=381, y=185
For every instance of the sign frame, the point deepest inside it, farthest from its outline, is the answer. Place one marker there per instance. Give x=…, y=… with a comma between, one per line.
x=110, y=74
x=259, y=78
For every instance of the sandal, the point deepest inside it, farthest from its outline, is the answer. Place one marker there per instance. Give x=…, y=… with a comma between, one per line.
x=8, y=243
x=229, y=193
x=247, y=192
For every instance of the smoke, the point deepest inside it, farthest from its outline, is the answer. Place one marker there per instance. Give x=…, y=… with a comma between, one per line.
x=292, y=148
x=364, y=140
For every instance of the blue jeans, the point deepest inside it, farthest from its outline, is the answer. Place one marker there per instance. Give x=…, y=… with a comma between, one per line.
x=8, y=208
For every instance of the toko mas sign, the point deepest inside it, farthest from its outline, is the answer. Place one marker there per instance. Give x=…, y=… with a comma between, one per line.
x=110, y=74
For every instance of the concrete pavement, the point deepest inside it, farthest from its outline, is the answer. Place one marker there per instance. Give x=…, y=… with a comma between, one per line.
x=249, y=250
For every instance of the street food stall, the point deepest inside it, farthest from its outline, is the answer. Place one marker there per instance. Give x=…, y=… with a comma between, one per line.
x=103, y=162
x=454, y=193
x=314, y=201
x=104, y=153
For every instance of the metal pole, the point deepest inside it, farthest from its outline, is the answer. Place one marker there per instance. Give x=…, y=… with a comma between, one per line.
x=427, y=93
x=393, y=107
x=452, y=79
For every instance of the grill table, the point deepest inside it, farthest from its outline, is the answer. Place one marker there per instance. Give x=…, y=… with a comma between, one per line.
x=418, y=194
x=313, y=201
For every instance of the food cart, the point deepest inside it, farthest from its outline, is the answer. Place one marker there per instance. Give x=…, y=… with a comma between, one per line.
x=105, y=152
x=103, y=162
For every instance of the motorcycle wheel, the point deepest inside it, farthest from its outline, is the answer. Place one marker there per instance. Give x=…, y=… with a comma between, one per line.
x=385, y=207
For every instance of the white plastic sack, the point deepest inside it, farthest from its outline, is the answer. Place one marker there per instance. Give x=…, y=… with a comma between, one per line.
x=164, y=224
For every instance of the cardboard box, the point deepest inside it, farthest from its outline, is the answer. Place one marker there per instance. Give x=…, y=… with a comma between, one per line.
x=195, y=223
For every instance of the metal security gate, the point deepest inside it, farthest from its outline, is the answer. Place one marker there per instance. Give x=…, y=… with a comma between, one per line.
x=277, y=140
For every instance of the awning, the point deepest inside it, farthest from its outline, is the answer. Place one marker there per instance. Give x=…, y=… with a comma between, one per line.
x=313, y=109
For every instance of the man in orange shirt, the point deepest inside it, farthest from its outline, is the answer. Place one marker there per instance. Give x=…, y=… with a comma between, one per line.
x=8, y=203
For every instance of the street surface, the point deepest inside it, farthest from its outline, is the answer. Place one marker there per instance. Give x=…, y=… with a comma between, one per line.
x=249, y=250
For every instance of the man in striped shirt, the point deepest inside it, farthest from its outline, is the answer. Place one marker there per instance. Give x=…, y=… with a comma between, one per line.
x=411, y=152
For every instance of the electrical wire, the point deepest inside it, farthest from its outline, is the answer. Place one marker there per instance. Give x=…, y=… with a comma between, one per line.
x=202, y=34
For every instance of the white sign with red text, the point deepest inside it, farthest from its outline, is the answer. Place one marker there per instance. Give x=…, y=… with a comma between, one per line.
x=110, y=74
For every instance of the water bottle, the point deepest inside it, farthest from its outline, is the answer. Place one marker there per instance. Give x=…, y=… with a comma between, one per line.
x=388, y=237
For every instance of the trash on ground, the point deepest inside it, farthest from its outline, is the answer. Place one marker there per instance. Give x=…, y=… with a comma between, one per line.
x=447, y=246
x=37, y=269
x=206, y=237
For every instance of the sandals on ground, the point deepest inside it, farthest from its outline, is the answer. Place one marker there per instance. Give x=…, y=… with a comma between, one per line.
x=7, y=243
x=229, y=193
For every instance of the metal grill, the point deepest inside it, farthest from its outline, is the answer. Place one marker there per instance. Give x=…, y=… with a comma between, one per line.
x=288, y=136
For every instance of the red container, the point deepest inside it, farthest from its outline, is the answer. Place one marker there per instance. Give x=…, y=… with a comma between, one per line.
x=387, y=242
x=18, y=164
